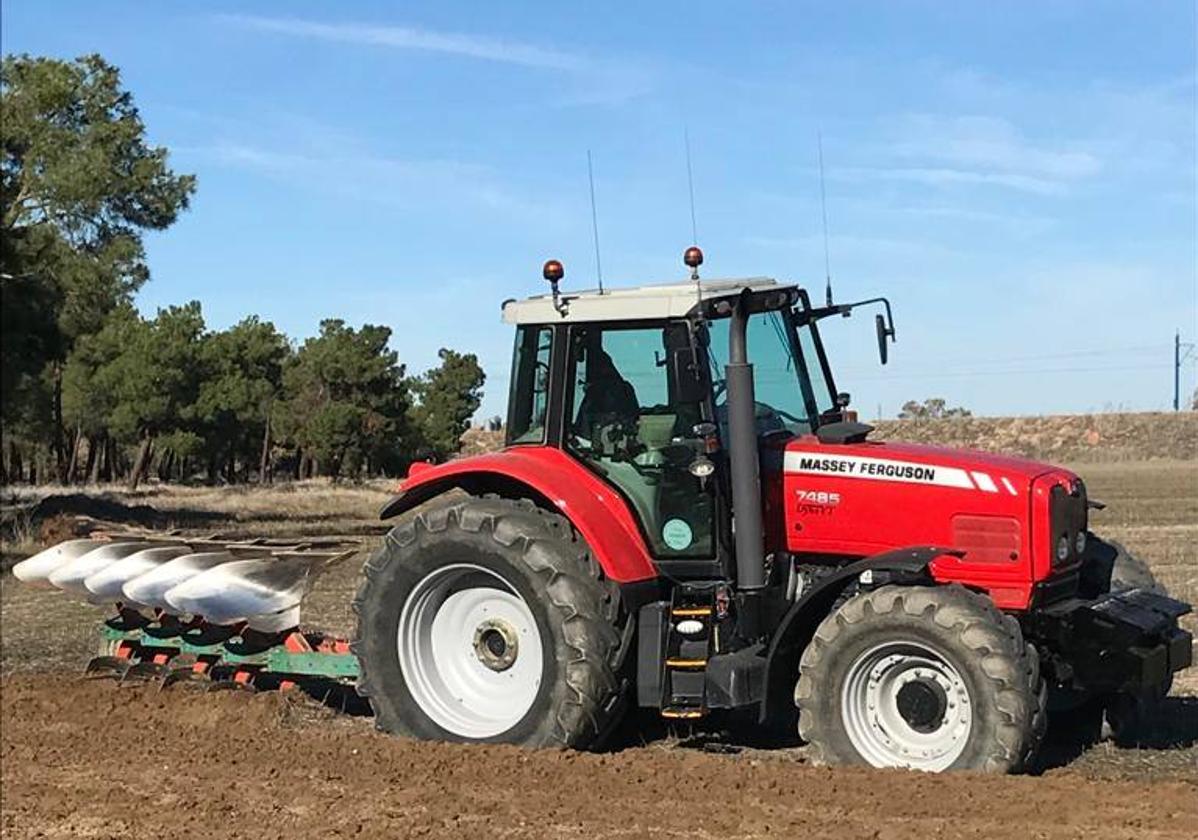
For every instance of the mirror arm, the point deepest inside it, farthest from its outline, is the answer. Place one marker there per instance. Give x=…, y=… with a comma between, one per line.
x=846, y=309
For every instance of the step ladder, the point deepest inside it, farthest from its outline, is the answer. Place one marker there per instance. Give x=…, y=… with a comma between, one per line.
x=684, y=673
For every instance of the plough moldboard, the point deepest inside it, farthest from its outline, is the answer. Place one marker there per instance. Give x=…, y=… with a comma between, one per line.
x=222, y=612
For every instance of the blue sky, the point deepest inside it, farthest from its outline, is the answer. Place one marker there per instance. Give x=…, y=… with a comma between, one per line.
x=1018, y=178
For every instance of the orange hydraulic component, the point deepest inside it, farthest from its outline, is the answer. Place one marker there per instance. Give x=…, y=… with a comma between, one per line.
x=297, y=642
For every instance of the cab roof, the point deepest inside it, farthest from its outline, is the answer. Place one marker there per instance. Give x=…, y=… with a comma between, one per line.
x=654, y=302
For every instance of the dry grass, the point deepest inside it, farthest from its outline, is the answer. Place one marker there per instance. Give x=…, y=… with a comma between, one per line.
x=20, y=535
x=1152, y=508
x=314, y=507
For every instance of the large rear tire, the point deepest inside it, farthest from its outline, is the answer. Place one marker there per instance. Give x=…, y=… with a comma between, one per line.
x=929, y=678
x=488, y=620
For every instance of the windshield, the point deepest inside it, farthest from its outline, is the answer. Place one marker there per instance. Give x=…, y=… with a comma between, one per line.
x=821, y=388
x=788, y=378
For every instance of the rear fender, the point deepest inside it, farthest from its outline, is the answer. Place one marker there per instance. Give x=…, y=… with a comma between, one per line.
x=908, y=566
x=553, y=479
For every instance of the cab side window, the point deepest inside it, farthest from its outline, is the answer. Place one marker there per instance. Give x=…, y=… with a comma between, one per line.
x=529, y=398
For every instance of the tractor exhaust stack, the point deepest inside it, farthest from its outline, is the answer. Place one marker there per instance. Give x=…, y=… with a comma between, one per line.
x=744, y=469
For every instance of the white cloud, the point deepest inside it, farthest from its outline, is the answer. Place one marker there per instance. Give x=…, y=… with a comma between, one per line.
x=592, y=81
x=1133, y=129
x=853, y=249
x=947, y=177
x=1018, y=222
x=414, y=38
x=383, y=180
x=989, y=145
x=972, y=150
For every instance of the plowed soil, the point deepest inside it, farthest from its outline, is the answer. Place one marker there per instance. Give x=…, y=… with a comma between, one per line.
x=89, y=759
x=93, y=760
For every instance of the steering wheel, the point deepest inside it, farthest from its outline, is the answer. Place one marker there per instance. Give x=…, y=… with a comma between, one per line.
x=787, y=415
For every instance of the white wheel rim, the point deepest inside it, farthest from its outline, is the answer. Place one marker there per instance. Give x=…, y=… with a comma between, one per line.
x=470, y=651
x=904, y=705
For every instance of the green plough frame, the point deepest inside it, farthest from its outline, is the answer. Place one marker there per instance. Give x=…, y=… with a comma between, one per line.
x=233, y=651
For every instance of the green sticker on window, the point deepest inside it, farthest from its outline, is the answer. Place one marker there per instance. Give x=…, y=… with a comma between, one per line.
x=677, y=534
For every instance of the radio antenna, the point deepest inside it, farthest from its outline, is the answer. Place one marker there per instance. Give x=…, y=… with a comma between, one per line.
x=595, y=222
x=693, y=256
x=823, y=206
x=690, y=184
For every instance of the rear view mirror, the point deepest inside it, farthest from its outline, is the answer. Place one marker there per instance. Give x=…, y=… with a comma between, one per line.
x=883, y=333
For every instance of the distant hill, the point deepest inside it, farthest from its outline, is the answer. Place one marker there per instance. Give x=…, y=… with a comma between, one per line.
x=1059, y=438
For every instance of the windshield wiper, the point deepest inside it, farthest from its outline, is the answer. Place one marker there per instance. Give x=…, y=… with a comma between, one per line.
x=780, y=332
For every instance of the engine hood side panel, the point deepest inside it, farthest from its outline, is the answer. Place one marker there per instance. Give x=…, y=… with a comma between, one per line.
x=860, y=499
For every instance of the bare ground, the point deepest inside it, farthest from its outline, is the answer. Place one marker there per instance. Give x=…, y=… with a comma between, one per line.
x=108, y=762
x=86, y=759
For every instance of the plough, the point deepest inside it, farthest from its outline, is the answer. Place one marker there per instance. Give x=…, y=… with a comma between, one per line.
x=218, y=612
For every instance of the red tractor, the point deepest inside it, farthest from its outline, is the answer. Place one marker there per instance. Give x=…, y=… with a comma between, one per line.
x=674, y=524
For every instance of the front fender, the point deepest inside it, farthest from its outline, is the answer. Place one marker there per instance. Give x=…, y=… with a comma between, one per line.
x=901, y=565
x=597, y=512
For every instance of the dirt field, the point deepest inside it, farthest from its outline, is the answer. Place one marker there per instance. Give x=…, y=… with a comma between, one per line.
x=88, y=759
x=91, y=760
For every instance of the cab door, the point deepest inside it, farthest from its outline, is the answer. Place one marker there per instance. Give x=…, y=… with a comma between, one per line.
x=631, y=417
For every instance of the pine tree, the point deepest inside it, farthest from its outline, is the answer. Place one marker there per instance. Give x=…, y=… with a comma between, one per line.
x=448, y=397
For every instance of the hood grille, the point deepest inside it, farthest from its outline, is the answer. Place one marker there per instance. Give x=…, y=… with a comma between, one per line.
x=1067, y=512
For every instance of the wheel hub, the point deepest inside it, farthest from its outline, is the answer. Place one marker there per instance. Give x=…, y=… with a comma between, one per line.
x=922, y=705
x=496, y=644
x=470, y=650
x=904, y=704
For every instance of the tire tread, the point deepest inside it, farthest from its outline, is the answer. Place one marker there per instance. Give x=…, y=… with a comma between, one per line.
x=1010, y=665
x=580, y=597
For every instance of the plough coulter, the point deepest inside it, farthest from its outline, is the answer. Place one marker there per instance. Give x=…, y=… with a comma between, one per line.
x=224, y=613
x=687, y=516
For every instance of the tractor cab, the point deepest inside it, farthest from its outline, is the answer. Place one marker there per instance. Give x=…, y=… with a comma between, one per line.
x=672, y=341
x=634, y=384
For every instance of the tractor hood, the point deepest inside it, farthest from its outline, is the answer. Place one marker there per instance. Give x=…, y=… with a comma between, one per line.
x=912, y=463
x=857, y=499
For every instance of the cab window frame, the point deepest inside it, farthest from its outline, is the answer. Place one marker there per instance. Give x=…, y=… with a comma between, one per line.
x=515, y=395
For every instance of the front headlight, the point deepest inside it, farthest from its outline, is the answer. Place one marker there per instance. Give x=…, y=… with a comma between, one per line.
x=1080, y=543
x=1063, y=548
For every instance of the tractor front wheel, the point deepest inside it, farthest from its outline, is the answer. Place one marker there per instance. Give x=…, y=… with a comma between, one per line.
x=928, y=678
x=488, y=620
x=1130, y=572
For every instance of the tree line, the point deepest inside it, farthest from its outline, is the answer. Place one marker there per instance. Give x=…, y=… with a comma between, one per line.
x=94, y=391
x=934, y=408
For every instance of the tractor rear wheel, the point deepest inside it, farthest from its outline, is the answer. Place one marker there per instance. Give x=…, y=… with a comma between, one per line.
x=929, y=678
x=487, y=619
